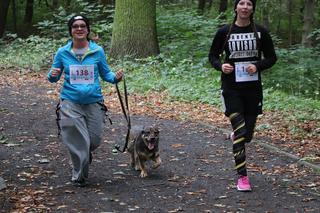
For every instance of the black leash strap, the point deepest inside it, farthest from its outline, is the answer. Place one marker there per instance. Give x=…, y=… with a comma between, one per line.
x=105, y=109
x=125, y=110
x=58, y=118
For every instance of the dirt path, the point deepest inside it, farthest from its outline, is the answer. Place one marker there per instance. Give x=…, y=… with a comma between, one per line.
x=196, y=175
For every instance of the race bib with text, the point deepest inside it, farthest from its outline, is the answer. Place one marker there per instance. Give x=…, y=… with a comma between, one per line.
x=242, y=75
x=81, y=74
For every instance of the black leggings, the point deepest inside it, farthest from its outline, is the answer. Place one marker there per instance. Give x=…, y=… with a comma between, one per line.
x=243, y=128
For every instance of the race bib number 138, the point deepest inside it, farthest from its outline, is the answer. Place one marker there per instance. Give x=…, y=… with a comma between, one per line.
x=81, y=74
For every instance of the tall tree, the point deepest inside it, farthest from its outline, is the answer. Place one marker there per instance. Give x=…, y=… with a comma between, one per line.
x=308, y=19
x=4, y=7
x=14, y=15
x=290, y=12
x=134, y=29
x=68, y=4
x=29, y=12
x=202, y=5
x=223, y=6
x=279, y=20
x=265, y=12
x=55, y=4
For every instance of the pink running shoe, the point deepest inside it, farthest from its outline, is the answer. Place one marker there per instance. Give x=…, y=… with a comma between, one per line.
x=243, y=184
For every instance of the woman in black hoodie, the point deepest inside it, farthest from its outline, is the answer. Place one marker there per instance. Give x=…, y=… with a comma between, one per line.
x=248, y=50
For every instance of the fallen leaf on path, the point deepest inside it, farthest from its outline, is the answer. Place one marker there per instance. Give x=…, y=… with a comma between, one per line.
x=201, y=191
x=177, y=145
x=308, y=199
x=219, y=205
x=180, y=209
x=175, y=178
x=62, y=207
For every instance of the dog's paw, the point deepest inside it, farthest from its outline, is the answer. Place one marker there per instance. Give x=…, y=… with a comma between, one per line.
x=157, y=163
x=143, y=174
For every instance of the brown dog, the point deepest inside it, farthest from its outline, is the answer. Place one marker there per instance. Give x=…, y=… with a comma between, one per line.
x=144, y=146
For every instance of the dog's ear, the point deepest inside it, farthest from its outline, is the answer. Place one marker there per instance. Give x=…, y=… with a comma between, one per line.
x=155, y=128
x=148, y=129
x=145, y=130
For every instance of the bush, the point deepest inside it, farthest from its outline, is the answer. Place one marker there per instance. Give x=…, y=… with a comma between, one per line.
x=296, y=72
x=32, y=53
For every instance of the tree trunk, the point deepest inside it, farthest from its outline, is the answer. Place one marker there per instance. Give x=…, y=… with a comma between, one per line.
x=265, y=16
x=14, y=15
x=68, y=5
x=134, y=29
x=4, y=7
x=290, y=12
x=279, y=19
x=308, y=19
x=29, y=12
x=55, y=4
x=210, y=2
x=223, y=6
x=201, y=6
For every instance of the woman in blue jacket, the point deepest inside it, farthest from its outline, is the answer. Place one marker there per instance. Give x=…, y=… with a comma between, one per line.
x=81, y=107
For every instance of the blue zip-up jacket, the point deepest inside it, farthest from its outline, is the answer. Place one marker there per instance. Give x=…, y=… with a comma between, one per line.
x=82, y=93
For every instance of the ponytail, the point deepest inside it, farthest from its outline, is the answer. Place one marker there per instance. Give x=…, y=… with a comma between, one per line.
x=254, y=29
x=228, y=35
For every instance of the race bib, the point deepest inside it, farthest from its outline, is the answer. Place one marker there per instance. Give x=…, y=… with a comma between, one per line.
x=242, y=75
x=81, y=74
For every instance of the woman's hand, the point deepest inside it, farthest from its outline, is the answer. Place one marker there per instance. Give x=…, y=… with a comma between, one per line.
x=119, y=74
x=227, y=68
x=251, y=68
x=55, y=72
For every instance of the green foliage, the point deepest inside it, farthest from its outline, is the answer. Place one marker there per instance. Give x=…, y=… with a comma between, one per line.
x=32, y=53
x=182, y=70
x=55, y=26
x=296, y=72
x=185, y=34
x=183, y=80
x=295, y=108
x=316, y=36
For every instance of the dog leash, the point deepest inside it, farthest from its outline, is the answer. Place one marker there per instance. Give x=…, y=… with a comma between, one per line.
x=125, y=110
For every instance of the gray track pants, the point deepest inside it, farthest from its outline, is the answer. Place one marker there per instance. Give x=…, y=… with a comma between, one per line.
x=81, y=128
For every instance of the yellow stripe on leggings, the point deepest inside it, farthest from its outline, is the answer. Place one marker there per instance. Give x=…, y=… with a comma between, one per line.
x=233, y=115
x=240, y=126
x=238, y=153
x=238, y=140
x=241, y=165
